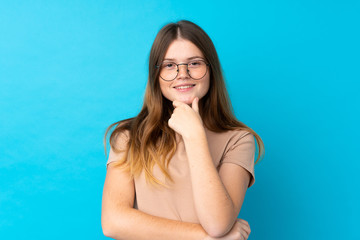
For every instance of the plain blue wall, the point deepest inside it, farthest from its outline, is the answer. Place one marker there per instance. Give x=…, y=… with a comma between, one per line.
x=68, y=69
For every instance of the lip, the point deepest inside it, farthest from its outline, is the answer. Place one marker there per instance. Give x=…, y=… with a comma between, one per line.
x=184, y=89
x=187, y=84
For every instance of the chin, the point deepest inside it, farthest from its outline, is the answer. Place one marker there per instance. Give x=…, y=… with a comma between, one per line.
x=186, y=100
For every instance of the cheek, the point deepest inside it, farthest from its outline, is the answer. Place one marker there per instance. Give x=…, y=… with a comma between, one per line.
x=206, y=86
x=161, y=84
x=164, y=87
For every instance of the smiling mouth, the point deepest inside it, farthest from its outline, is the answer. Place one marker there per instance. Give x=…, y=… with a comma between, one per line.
x=185, y=86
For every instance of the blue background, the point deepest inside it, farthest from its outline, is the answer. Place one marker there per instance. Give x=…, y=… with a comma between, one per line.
x=68, y=69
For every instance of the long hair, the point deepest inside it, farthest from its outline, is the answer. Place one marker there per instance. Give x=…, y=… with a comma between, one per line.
x=150, y=140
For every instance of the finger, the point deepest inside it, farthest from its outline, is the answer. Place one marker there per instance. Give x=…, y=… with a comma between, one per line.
x=195, y=104
x=170, y=121
x=246, y=227
x=242, y=221
x=177, y=103
x=245, y=235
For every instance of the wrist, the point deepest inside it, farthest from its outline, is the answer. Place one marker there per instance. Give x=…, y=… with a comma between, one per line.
x=195, y=136
x=196, y=146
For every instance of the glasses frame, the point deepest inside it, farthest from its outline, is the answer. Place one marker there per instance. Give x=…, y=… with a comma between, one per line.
x=187, y=69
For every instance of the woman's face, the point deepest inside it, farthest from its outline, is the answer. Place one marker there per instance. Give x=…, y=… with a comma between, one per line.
x=183, y=88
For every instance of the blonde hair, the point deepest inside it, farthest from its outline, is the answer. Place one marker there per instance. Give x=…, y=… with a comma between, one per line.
x=150, y=140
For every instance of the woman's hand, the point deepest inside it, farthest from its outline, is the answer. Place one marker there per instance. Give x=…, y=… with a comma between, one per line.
x=240, y=231
x=186, y=120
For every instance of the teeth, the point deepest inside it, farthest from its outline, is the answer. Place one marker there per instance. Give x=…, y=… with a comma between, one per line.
x=184, y=87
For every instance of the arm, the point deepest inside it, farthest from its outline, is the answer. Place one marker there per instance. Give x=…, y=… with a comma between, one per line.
x=120, y=220
x=217, y=196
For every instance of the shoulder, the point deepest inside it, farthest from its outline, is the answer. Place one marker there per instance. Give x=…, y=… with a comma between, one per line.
x=230, y=144
x=118, y=146
x=242, y=136
x=120, y=140
x=230, y=136
x=240, y=149
x=121, y=133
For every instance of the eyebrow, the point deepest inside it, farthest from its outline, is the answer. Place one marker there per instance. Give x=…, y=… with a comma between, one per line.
x=190, y=58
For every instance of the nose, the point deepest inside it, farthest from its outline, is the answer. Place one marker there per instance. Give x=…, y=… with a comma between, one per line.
x=183, y=71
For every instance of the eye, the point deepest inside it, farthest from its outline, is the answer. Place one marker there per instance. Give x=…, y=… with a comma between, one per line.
x=195, y=63
x=169, y=65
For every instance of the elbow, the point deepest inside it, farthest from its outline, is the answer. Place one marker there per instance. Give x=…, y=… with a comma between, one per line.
x=216, y=233
x=218, y=230
x=115, y=222
x=111, y=228
x=107, y=232
x=218, y=225
x=106, y=226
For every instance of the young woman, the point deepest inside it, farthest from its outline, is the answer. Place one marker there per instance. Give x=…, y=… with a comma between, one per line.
x=180, y=168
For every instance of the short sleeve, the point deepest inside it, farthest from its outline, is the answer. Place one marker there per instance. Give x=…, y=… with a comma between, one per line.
x=118, y=153
x=241, y=151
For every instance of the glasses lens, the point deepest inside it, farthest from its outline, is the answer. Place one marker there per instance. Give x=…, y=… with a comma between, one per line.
x=197, y=69
x=168, y=71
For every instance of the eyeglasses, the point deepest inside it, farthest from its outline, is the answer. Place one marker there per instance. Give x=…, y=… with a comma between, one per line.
x=196, y=69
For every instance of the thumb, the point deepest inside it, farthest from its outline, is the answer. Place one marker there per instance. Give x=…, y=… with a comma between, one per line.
x=195, y=104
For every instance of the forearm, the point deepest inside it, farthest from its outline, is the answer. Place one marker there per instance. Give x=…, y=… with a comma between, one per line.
x=131, y=224
x=213, y=204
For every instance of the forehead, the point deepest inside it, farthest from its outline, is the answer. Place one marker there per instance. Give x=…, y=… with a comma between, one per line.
x=181, y=50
